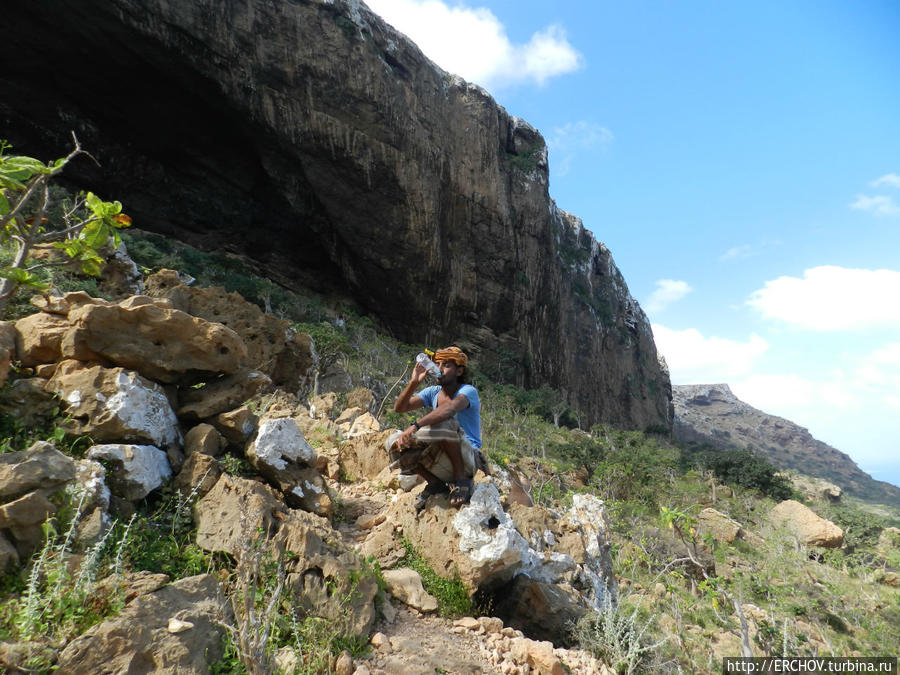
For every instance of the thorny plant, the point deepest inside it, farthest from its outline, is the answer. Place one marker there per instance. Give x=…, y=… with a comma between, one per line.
x=57, y=600
x=258, y=582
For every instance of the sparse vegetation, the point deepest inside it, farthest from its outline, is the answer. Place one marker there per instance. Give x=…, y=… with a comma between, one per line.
x=452, y=597
x=701, y=590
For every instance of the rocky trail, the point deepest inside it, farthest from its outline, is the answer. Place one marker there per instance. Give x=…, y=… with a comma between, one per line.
x=412, y=642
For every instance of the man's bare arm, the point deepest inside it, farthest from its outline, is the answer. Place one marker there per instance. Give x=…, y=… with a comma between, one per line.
x=406, y=401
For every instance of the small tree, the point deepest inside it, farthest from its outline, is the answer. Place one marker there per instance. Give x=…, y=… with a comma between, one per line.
x=86, y=225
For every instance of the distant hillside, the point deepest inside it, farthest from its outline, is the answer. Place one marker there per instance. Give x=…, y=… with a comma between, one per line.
x=711, y=413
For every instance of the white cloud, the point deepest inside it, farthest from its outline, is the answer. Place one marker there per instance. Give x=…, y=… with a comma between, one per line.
x=472, y=42
x=887, y=180
x=742, y=251
x=880, y=205
x=694, y=359
x=567, y=141
x=667, y=291
x=830, y=298
x=775, y=392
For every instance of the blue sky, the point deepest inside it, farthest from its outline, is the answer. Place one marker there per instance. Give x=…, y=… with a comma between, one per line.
x=741, y=160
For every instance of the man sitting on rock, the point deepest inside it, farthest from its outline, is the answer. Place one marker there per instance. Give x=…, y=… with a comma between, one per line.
x=442, y=446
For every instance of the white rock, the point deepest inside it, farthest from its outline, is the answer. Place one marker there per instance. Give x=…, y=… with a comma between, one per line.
x=178, y=626
x=90, y=482
x=143, y=467
x=280, y=441
x=498, y=547
x=146, y=410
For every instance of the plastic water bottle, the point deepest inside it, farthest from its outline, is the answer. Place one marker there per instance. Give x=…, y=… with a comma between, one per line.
x=429, y=365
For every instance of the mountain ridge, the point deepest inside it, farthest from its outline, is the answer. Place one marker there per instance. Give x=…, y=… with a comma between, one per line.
x=712, y=414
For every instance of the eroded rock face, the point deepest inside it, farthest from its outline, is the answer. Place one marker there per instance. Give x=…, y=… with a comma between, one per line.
x=162, y=344
x=38, y=338
x=367, y=167
x=232, y=509
x=488, y=549
x=114, y=404
x=274, y=348
x=139, y=639
x=41, y=466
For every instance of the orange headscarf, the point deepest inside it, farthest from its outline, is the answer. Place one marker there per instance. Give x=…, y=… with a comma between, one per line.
x=454, y=354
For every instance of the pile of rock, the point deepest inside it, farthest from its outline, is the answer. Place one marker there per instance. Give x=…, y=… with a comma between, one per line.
x=159, y=381
x=158, y=384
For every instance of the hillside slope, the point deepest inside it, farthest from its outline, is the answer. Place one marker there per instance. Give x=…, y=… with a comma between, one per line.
x=711, y=413
x=321, y=142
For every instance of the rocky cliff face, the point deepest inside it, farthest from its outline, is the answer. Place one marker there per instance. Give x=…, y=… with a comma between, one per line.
x=711, y=413
x=314, y=138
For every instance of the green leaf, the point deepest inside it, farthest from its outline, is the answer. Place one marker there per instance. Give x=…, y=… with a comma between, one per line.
x=21, y=168
x=94, y=203
x=4, y=205
x=95, y=235
x=91, y=265
x=10, y=182
x=22, y=277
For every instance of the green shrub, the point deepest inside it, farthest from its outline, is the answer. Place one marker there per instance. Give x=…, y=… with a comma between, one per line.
x=452, y=597
x=745, y=468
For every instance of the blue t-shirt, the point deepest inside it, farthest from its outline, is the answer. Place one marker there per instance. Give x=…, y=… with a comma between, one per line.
x=469, y=418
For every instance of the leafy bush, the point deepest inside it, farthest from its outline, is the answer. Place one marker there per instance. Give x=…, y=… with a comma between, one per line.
x=84, y=227
x=632, y=466
x=744, y=468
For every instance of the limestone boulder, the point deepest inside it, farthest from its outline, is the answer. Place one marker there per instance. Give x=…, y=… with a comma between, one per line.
x=198, y=476
x=405, y=584
x=479, y=540
x=138, y=469
x=138, y=639
x=322, y=406
x=273, y=346
x=233, y=510
x=204, y=439
x=7, y=348
x=364, y=425
x=27, y=401
x=39, y=338
x=61, y=305
x=221, y=394
x=815, y=489
x=89, y=487
x=236, y=426
x=365, y=456
x=806, y=525
x=32, y=508
x=722, y=528
x=347, y=416
x=160, y=343
x=584, y=536
x=114, y=404
x=40, y=466
x=281, y=454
